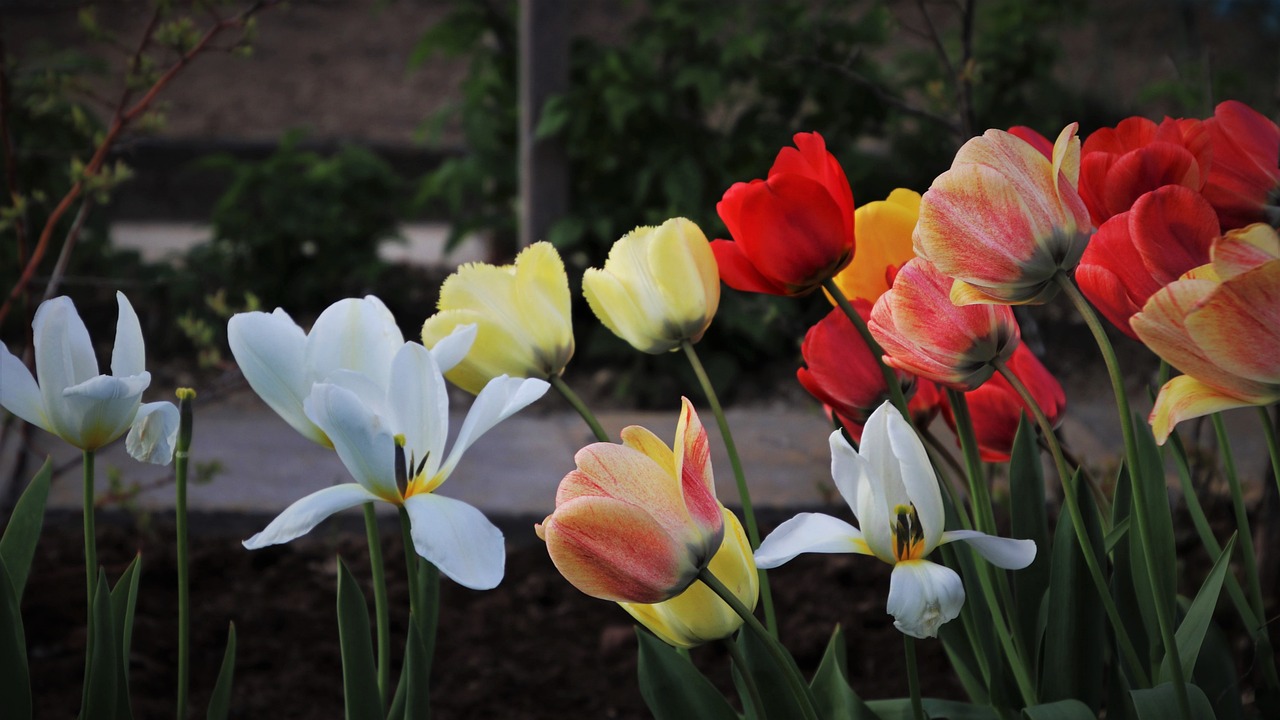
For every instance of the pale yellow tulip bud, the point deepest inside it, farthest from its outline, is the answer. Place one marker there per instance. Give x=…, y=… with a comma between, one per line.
x=659, y=286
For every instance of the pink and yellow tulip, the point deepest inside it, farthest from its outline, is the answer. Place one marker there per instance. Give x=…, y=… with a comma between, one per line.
x=924, y=334
x=1004, y=220
x=1220, y=325
x=637, y=522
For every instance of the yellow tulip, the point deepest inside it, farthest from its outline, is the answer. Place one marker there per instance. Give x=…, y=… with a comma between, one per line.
x=697, y=615
x=884, y=230
x=521, y=313
x=659, y=286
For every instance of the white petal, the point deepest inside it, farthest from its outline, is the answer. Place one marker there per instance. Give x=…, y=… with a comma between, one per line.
x=354, y=334
x=371, y=394
x=419, y=403
x=154, y=433
x=917, y=475
x=363, y=441
x=1007, y=553
x=884, y=472
x=850, y=472
x=129, y=356
x=501, y=398
x=19, y=393
x=64, y=358
x=271, y=352
x=299, y=518
x=100, y=409
x=809, y=533
x=453, y=348
x=923, y=596
x=458, y=539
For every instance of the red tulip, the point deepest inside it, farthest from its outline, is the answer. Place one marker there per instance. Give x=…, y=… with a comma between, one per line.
x=1244, y=183
x=1168, y=232
x=1120, y=165
x=1034, y=139
x=792, y=230
x=995, y=406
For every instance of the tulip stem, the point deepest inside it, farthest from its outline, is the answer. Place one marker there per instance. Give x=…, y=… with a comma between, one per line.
x=748, y=680
x=90, y=564
x=798, y=687
x=567, y=392
x=1138, y=482
x=181, y=455
x=1273, y=443
x=913, y=677
x=890, y=377
x=411, y=564
x=1242, y=516
x=1077, y=522
x=381, y=613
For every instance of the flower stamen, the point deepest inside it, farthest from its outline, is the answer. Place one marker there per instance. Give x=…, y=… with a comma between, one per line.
x=908, y=535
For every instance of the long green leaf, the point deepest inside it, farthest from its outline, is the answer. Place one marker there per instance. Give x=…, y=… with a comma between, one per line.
x=220, y=700
x=775, y=692
x=1159, y=516
x=1191, y=632
x=1129, y=576
x=104, y=658
x=418, y=691
x=1061, y=710
x=359, y=676
x=1161, y=703
x=124, y=598
x=831, y=692
x=18, y=544
x=1029, y=520
x=15, y=675
x=900, y=709
x=672, y=687
x=1215, y=673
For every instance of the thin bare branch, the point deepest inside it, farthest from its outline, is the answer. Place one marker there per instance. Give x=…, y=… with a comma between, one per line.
x=68, y=245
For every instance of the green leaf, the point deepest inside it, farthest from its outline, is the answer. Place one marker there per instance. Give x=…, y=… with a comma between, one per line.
x=18, y=544
x=775, y=690
x=220, y=700
x=1129, y=575
x=1159, y=518
x=104, y=659
x=1061, y=710
x=1119, y=532
x=359, y=678
x=1195, y=624
x=417, y=664
x=15, y=675
x=900, y=709
x=1075, y=637
x=1029, y=521
x=124, y=598
x=673, y=688
x=831, y=692
x=1215, y=673
x=1161, y=703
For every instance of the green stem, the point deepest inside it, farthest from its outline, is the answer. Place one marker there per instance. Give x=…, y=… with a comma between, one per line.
x=942, y=457
x=748, y=680
x=1242, y=515
x=890, y=377
x=913, y=677
x=739, y=477
x=411, y=564
x=1273, y=443
x=381, y=613
x=567, y=392
x=797, y=684
x=979, y=498
x=1077, y=523
x=90, y=566
x=1137, y=476
x=181, y=457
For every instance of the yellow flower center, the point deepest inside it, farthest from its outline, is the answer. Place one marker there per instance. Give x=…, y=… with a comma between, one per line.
x=908, y=536
x=409, y=477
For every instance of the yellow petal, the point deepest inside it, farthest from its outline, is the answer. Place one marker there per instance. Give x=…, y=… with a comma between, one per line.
x=1184, y=398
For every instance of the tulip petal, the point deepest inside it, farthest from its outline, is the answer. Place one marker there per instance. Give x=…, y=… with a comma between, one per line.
x=738, y=272
x=1172, y=229
x=617, y=308
x=916, y=472
x=128, y=356
x=453, y=348
x=19, y=393
x=100, y=409
x=1238, y=326
x=1185, y=397
x=363, y=441
x=458, y=539
x=798, y=233
x=64, y=359
x=419, y=406
x=496, y=351
x=271, y=352
x=643, y=440
x=299, y=518
x=693, y=467
x=809, y=533
x=630, y=477
x=922, y=596
x=1007, y=553
x=1245, y=249
x=154, y=434
x=358, y=334
x=501, y=398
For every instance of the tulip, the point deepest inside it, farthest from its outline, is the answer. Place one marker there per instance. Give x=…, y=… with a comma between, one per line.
x=843, y=375
x=392, y=441
x=924, y=334
x=792, y=230
x=1168, y=232
x=1220, y=325
x=1004, y=220
x=1036, y=140
x=1120, y=165
x=698, y=615
x=996, y=408
x=1244, y=182
x=659, y=286
x=637, y=522
x=521, y=311
x=68, y=397
x=884, y=230
x=893, y=492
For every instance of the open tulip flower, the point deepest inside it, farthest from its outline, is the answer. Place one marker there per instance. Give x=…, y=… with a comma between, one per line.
x=791, y=231
x=884, y=230
x=1004, y=220
x=893, y=492
x=1119, y=165
x=522, y=315
x=637, y=522
x=996, y=408
x=698, y=615
x=1167, y=232
x=391, y=439
x=1219, y=324
x=925, y=334
x=1244, y=181
x=69, y=398
x=659, y=287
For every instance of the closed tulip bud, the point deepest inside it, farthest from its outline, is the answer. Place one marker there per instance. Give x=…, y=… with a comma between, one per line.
x=698, y=615
x=522, y=316
x=659, y=286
